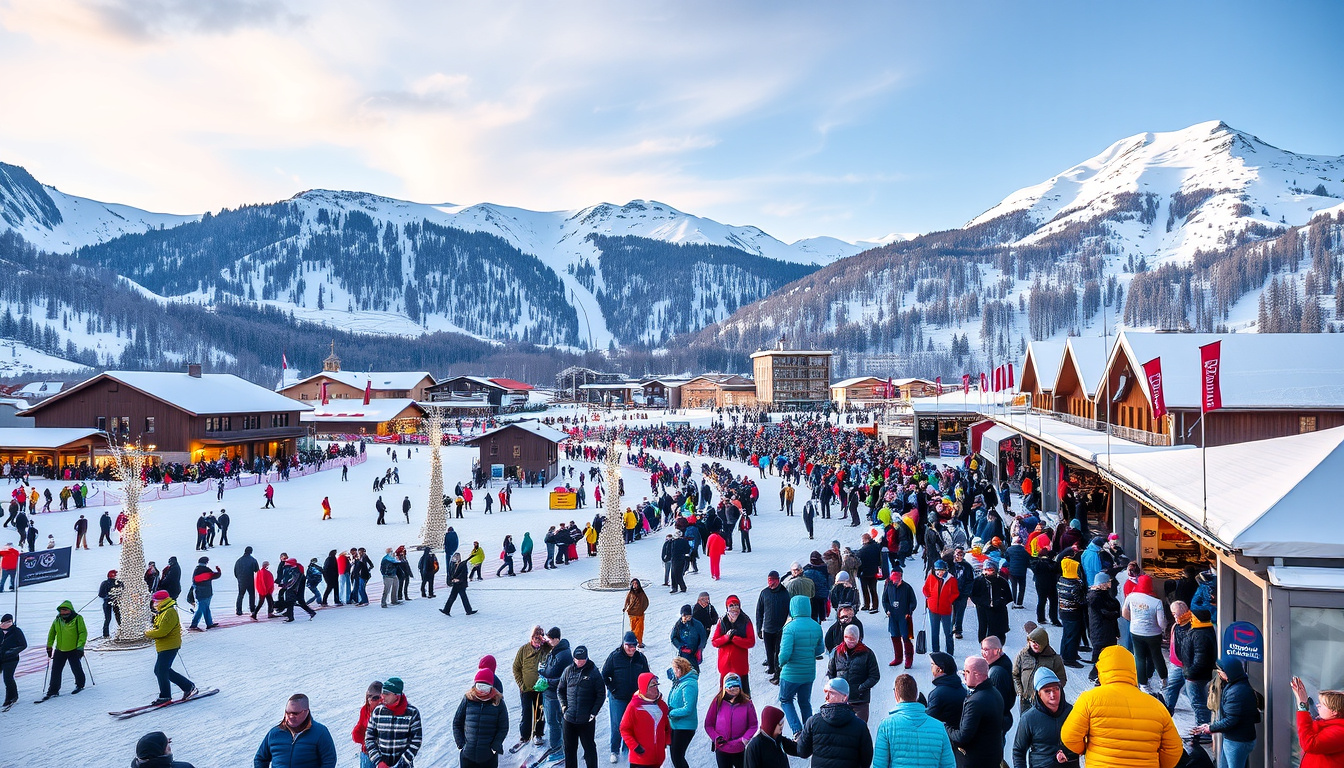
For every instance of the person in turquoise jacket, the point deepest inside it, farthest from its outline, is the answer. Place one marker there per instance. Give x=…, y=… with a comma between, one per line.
x=799, y=648
x=908, y=737
x=526, y=551
x=681, y=708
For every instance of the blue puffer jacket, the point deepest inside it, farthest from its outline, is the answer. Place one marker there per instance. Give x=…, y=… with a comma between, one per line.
x=311, y=748
x=909, y=738
x=820, y=580
x=1091, y=562
x=553, y=666
x=1018, y=560
x=800, y=644
x=681, y=702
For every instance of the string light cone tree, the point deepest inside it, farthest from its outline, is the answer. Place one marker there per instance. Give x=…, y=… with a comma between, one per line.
x=136, y=612
x=436, y=515
x=615, y=569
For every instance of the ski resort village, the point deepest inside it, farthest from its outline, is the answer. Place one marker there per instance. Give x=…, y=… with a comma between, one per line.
x=667, y=385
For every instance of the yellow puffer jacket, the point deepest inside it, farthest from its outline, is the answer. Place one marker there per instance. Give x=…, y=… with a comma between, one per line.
x=167, y=628
x=1118, y=726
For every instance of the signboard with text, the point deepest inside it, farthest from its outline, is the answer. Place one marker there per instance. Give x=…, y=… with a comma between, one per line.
x=564, y=500
x=43, y=566
x=1242, y=640
x=949, y=449
x=497, y=471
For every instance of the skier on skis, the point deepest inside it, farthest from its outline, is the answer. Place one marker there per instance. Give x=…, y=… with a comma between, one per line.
x=166, y=632
x=65, y=643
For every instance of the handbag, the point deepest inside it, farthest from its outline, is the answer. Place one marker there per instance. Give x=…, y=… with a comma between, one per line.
x=921, y=643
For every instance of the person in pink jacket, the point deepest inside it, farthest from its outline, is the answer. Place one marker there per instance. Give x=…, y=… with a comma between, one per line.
x=731, y=723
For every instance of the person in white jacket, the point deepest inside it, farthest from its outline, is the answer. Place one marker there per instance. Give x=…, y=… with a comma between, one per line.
x=1147, y=623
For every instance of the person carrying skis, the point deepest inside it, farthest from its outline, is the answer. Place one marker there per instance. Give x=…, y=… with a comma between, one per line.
x=65, y=643
x=166, y=632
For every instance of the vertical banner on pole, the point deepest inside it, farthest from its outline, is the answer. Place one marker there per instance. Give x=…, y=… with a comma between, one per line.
x=1152, y=371
x=1211, y=392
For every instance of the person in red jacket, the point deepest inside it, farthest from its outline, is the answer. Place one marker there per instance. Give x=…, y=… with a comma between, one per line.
x=372, y=698
x=714, y=547
x=1322, y=738
x=734, y=636
x=644, y=726
x=940, y=592
x=265, y=583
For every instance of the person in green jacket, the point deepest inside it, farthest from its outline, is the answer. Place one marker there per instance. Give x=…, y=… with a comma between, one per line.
x=681, y=708
x=166, y=632
x=526, y=551
x=65, y=643
x=475, y=559
x=799, y=648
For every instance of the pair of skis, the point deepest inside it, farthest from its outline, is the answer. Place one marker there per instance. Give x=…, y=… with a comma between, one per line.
x=546, y=756
x=127, y=714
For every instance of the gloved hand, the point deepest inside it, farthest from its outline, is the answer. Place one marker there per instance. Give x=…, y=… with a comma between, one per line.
x=639, y=750
x=49, y=651
x=541, y=684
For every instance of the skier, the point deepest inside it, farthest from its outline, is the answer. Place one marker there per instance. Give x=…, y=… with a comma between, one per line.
x=12, y=644
x=110, y=591
x=65, y=643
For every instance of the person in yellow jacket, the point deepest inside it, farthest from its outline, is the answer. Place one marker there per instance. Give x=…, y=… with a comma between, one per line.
x=166, y=632
x=475, y=559
x=1115, y=725
x=630, y=521
x=590, y=538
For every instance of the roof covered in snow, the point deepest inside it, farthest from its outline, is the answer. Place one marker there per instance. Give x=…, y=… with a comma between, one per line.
x=381, y=380
x=204, y=394
x=43, y=438
x=857, y=380
x=530, y=425
x=1264, y=496
x=1088, y=355
x=1044, y=357
x=378, y=410
x=1257, y=370
x=37, y=389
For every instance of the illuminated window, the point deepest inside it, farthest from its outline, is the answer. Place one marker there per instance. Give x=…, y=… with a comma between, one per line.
x=1306, y=423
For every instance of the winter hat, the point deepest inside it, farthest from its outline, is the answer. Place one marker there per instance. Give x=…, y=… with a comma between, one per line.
x=842, y=576
x=771, y=717
x=6, y=617
x=732, y=680
x=1076, y=524
x=1040, y=637
x=1145, y=585
x=487, y=662
x=1101, y=579
x=553, y=633
x=646, y=679
x=1045, y=676
x=939, y=565
x=853, y=629
x=394, y=685
x=1069, y=568
x=1232, y=667
x=773, y=575
x=1113, y=537
x=112, y=574
x=486, y=676
x=581, y=652
x=944, y=661
x=291, y=561
x=686, y=610
x=160, y=595
x=152, y=744
x=731, y=600
x=814, y=558
x=1202, y=614
x=1100, y=542
x=203, y=560
x=630, y=638
x=839, y=685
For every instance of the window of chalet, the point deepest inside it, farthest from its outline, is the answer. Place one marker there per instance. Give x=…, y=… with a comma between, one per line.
x=149, y=425
x=102, y=423
x=1306, y=424
x=517, y=451
x=494, y=447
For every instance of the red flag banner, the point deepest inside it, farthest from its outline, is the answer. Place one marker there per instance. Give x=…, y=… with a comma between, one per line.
x=1211, y=391
x=1152, y=370
x=984, y=386
x=368, y=391
x=324, y=392
x=965, y=383
x=1010, y=375
x=939, y=382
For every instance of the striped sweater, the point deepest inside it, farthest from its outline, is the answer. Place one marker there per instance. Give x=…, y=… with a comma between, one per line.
x=391, y=738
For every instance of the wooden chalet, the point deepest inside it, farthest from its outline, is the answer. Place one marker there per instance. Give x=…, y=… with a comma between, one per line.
x=521, y=447
x=1040, y=368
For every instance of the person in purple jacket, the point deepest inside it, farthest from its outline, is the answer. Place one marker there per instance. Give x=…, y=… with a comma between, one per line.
x=730, y=723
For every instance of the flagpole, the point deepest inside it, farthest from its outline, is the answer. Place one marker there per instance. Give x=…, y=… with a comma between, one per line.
x=1204, y=472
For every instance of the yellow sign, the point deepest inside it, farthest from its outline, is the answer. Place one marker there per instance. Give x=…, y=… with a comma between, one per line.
x=564, y=500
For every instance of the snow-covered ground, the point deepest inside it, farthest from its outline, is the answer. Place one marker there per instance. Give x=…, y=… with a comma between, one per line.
x=332, y=659
x=19, y=359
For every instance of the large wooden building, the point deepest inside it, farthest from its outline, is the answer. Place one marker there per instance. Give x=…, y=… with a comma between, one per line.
x=182, y=417
x=521, y=447
x=1081, y=369
x=718, y=390
x=347, y=385
x=1040, y=368
x=791, y=376
x=478, y=395
x=386, y=416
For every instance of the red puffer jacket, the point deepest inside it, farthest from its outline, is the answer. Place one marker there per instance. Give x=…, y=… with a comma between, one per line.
x=639, y=730
x=733, y=648
x=1322, y=741
x=939, y=595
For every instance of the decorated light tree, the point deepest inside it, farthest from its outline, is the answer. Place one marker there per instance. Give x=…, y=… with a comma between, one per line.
x=436, y=516
x=615, y=569
x=134, y=602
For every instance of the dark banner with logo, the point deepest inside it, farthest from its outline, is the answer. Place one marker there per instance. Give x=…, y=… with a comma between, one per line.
x=43, y=566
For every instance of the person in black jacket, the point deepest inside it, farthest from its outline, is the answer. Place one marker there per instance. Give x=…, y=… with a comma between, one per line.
x=947, y=696
x=1238, y=713
x=153, y=751
x=581, y=695
x=964, y=573
x=428, y=565
x=621, y=673
x=202, y=580
x=1196, y=644
x=245, y=571
x=845, y=617
x=857, y=665
x=481, y=723
x=1046, y=572
x=991, y=595
x=170, y=579
x=12, y=643
x=769, y=748
x=1001, y=675
x=979, y=733
x=835, y=737
x=458, y=576
x=1103, y=615
x=870, y=565
x=331, y=578
x=772, y=612
x=1037, y=744
x=110, y=591
x=679, y=552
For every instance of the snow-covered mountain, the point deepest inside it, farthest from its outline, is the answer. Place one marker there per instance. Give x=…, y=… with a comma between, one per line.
x=1175, y=230
x=54, y=221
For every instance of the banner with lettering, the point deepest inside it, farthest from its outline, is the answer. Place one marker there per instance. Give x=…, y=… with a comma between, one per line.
x=1152, y=370
x=1211, y=391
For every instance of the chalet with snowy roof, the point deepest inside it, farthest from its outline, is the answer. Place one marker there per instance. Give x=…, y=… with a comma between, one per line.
x=381, y=416
x=1272, y=384
x=663, y=392
x=9, y=412
x=39, y=390
x=51, y=447
x=1040, y=368
x=346, y=385
x=521, y=447
x=477, y=395
x=1080, y=372
x=186, y=416
x=791, y=376
x=718, y=390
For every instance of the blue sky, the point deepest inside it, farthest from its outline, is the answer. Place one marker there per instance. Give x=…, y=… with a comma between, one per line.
x=851, y=120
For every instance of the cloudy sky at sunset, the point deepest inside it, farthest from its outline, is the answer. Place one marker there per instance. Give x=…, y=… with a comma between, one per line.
x=852, y=120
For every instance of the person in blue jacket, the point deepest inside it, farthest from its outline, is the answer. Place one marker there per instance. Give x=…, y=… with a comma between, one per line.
x=689, y=637
x=298, y=741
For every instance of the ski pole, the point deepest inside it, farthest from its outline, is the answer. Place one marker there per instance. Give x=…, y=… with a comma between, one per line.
x=45, y=673
x=89, y=667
